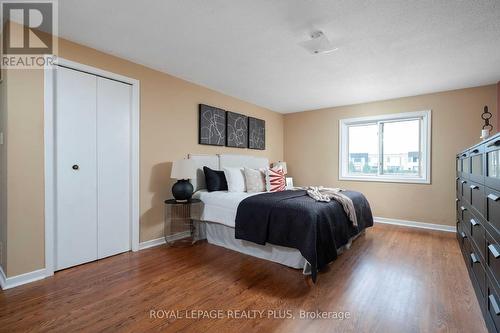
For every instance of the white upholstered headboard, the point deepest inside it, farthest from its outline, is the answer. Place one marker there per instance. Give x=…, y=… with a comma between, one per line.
x=217, y=162
x=211, y=161
x=241, y=161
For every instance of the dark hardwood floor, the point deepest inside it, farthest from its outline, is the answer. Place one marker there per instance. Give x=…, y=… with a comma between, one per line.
x=393, y=279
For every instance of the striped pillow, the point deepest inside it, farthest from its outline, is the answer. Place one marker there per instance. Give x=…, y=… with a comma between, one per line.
x=275, y=180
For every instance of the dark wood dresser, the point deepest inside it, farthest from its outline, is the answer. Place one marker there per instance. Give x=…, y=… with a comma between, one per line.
x=478, y=223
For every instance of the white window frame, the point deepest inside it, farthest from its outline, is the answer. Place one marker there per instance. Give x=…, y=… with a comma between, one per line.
x=425, y=147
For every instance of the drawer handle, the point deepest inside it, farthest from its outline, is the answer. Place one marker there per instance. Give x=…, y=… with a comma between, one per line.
x=475, y=151
x=474, y=258
x=462, y=208
x=473, y=222
x=493, y=197
x=496, y=143
x=463, y=235
x=494, y=251
x=464, y=182
x=464, y=155
x=494, y=303
x=474, y=187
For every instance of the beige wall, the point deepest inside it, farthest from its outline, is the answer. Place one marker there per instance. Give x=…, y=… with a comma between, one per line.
x=311, y=151
x=169, y=131
x=25, y=181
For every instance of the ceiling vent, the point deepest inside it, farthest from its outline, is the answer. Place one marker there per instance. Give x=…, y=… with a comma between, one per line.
x=318, y=44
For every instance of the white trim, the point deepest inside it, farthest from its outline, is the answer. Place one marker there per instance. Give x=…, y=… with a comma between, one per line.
x=49, y=142
x=151, y=243
x=161, y=241
x=49, y=167
x=14, y=281
x=425, y=143
x=413, y=224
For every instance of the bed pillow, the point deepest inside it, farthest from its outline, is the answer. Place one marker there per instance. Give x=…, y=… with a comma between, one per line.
x=216, y=180
x=275, y=180
x=235, y=179
x=255, y=180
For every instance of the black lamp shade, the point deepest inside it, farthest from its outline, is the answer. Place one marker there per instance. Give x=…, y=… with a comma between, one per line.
x=182, y=190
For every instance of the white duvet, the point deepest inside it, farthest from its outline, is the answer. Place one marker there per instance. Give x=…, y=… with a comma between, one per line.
x=221, y=206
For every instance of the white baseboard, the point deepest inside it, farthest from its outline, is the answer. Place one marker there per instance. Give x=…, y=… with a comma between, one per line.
x=161, y=241
x=15, y=281
x=413, y=224
x=151, y=243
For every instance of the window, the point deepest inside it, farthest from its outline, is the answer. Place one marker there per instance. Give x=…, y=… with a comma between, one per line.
x=390, y=148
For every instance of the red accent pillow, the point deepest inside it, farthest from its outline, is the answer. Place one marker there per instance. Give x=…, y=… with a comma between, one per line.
x=277, y=181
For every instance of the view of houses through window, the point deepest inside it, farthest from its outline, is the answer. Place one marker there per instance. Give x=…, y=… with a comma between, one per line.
x=398, y=154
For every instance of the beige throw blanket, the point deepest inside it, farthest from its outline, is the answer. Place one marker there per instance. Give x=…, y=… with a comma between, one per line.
x=326, y=194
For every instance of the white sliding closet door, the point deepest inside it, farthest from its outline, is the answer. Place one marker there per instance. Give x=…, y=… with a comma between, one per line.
x=76, y=165
x=113, y=166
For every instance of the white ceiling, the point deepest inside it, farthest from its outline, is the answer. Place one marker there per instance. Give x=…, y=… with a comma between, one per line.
x=249, y=48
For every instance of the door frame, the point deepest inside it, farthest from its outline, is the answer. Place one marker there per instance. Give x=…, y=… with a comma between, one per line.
x=49, y=154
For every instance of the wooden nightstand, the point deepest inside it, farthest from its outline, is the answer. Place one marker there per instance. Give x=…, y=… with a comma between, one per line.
x=180, y=225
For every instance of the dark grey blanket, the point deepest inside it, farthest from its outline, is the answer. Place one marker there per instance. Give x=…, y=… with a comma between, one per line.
x=293, y=219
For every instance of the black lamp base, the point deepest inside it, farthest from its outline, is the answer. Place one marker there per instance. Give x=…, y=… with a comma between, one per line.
x=182, y=190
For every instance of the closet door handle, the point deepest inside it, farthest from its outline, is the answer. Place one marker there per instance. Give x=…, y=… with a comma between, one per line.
x=473, y=222
x=493, y=197
x=494, y=251
x=464, y=182
x=463, y=235
x=474, y=187
x=494, y=304
x=462, y=208
x=75, y=167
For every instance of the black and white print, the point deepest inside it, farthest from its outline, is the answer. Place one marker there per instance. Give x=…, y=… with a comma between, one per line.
x=237, y=130
x=212, y=126
x=256, y=133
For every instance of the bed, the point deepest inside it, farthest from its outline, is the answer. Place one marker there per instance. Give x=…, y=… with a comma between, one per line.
x=232, y=220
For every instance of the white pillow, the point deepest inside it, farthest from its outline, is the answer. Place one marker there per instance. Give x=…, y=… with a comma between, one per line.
x=235, y=179
x=255, y=180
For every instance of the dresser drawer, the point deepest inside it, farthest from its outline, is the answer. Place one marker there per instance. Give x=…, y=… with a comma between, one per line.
x=493, y=207
x=466, y=217
x=464, y=190
x=492, y=161
x=493, y=305
x=476, y=197
x=462, y=237
x=458, y=204
x=466, y=249
x=493, y=256
x=476, y=156
x=478, y=270
x=478, y=234
x=464, y=164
